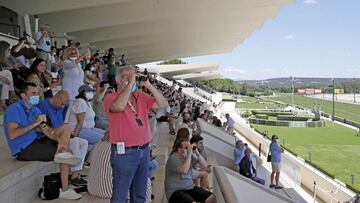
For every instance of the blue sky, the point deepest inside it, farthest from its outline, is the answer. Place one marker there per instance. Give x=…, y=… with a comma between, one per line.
x=309, y=38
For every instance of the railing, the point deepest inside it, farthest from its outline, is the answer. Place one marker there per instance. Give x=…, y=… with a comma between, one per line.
x=10, y=29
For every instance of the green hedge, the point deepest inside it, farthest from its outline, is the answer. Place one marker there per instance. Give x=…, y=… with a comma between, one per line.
x=271, y=113
x=262, y=116
x=292, y=118
x=309, y=124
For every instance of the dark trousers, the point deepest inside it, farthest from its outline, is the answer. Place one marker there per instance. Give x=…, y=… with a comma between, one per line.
x=42, y=149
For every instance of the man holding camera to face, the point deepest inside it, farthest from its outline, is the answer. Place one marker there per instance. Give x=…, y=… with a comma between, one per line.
x=130, y=134
x=43, y=44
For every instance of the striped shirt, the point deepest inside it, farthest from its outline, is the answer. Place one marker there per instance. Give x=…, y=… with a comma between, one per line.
x=100, y=174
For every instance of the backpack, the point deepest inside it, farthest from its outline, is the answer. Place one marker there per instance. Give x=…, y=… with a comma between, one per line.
x=51, y=187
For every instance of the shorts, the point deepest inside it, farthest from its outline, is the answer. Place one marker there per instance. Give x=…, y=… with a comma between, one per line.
x=276, y=166
x=196, y=194
x=42, y=149
x=162, y=119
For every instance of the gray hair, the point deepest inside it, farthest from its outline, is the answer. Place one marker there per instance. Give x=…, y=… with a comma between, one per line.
x=44, y=25
x=120, y=70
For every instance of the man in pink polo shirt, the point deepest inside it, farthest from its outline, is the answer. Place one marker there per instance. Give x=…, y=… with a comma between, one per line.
x=130, y=134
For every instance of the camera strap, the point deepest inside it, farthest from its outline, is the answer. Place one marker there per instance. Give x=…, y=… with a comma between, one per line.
x=132, y=108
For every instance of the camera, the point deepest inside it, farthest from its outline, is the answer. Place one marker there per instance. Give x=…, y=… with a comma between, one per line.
x=48, y=122
x=141, y=78
x=194, y=147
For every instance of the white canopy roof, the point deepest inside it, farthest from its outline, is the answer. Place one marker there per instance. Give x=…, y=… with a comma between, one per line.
x=153, y=30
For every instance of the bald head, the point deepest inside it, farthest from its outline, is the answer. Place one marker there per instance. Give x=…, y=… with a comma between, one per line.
x=60, y=99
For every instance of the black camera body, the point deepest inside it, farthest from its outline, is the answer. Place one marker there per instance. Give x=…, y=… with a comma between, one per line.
x=141, y=78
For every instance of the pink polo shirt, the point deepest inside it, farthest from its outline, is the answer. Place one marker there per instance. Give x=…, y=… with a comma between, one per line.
x=123, y=126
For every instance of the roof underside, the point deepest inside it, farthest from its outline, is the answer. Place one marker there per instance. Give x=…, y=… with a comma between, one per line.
x=153, y=30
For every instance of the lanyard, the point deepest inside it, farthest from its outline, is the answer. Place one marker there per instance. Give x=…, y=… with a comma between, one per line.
x=132, y=108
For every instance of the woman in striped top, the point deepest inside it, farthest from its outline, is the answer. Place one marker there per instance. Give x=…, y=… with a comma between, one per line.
x=100, y=174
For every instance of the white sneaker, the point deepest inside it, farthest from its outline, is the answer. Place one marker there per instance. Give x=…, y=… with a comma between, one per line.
x=69, y=194
x=67, y=158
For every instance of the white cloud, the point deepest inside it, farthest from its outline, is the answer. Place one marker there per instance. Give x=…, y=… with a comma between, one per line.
x=310, y=1
x=289, y=36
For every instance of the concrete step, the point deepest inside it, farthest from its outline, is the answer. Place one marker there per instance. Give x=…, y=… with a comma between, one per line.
x=20, y=181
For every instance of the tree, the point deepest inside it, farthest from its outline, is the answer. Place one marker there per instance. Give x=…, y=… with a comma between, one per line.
x=173, y=61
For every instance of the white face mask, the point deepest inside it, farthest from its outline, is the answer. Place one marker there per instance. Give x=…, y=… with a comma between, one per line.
x=277, y=140
x=89, y=95
x=73, y=58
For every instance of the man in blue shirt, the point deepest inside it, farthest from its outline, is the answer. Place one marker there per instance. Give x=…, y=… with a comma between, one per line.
x=30, y=138
x=55, y=110
x=275, y=151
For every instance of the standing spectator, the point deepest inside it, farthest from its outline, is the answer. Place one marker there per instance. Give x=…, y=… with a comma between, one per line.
x=247, y=169
x=41, y=78
x=112, y=66
x=22, y=120
x=43, y=44
x=6, y=79
x=101, y=120
x=179, y=187
x=229, y=123
x=238, y=152
x=146, y=72
x=127, y=111
x=73, y=75
x=82, y=117
x=123, y=60
x=276, y=151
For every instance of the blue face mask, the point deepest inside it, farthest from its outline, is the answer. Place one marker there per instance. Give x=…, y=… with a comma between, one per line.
x=34, y=100
x=133, y=88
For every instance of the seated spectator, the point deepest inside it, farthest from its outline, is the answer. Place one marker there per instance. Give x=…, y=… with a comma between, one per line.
x=82, y=117
x=165, y=115
x=6, y=79
x=22, y=121
x=101, y=91
x=200, y=167
x=178, y=177
x=90, y=77
x=41, y=78
x=55, y=108
x=100, y=174
x=238, y=152
x=247, y=169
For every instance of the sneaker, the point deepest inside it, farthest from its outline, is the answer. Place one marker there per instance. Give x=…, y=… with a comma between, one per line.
x=67, y=158
x=69, y=194
x=272, y=185
x=78, y=182
x=278, y=187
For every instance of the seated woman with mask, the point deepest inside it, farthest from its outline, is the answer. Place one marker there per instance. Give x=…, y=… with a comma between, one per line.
x=82, y=117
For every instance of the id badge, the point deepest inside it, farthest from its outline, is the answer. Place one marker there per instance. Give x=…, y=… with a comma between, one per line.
x=120, y=148
x=139, y=122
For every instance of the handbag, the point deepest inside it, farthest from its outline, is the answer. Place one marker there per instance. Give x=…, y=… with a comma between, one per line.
x=269, y=155
x=51, y=187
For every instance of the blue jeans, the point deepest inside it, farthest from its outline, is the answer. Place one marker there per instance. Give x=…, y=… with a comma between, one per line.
x=153, y=166
x=101, y=122
x=130, y=171
x=92, y=135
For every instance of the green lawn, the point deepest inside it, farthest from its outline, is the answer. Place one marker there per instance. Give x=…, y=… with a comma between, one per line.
x=344, y=110
x=334, y=148
x=253, y=103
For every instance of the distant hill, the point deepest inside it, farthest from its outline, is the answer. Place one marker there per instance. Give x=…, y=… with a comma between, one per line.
x=299, y=82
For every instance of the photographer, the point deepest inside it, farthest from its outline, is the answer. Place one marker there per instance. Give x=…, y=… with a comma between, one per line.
x=43, y=44
x=179, y=185
x=130, y=134
x=200, y=167
x=101, y=91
